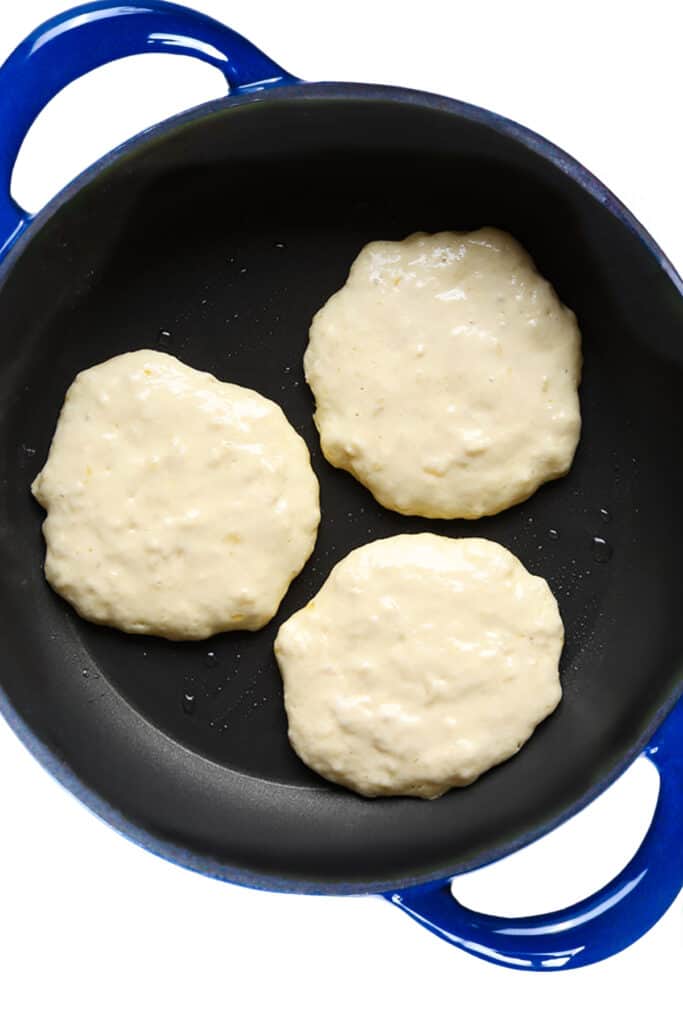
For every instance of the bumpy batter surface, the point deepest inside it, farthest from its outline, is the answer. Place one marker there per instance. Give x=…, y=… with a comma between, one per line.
x=445, y=374
x=422, y=662
x=177, y=504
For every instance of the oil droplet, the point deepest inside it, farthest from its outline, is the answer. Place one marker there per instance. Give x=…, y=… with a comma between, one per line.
x=211, y=659
x=85, y=673
x=605, y=515
x=602, y=550
x=189, y=703
x=554, y=534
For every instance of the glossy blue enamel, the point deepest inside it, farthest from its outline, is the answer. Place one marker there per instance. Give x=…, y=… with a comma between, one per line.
x=84, y=38
x=87, y=37
x=597, y=927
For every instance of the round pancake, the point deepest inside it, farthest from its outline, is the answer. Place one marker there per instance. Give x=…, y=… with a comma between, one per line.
x=445, y=374
x=422, y=662
x=177, y=505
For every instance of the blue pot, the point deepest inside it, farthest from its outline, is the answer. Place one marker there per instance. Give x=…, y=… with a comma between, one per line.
x=86, y=37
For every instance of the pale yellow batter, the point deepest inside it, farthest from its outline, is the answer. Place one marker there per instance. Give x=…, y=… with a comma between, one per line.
x=177, y=504
x=445, y=374
x=421, y=662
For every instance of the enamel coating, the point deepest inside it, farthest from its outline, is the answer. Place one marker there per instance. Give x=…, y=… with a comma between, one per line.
x=84, y=38
x=597, y=927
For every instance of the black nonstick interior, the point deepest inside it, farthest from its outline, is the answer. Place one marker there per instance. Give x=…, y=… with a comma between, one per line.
x=217, y=238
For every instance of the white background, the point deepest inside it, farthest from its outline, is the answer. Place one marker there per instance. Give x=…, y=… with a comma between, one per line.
x=94, y=929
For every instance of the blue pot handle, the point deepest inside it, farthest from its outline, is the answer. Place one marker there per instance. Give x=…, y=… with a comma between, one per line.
x=597, y=927
x=84, y=38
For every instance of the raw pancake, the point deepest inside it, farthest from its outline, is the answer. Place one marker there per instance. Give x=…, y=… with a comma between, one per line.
x=177, y=504
x=422, y=662
x=445, y=375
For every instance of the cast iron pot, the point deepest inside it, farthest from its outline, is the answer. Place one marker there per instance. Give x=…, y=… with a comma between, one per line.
x=217, y=235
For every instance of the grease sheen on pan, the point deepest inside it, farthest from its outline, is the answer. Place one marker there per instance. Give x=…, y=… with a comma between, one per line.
x=177, y=504
x=445, y=374
x=422, y=662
